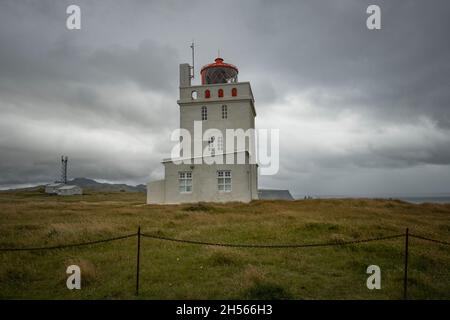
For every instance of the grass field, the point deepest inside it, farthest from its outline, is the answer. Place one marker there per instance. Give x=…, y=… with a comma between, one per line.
x=182, y=271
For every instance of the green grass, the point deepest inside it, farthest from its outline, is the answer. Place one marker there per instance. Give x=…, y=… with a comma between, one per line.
x=181, y=271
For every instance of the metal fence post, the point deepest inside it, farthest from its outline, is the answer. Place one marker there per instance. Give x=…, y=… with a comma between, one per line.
x=137, y=259
x=405, y=278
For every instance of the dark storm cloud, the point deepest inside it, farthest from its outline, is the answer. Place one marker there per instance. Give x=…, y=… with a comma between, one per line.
x=64, y=96
x=347, y=100
x=397, y=73
x=73, y=78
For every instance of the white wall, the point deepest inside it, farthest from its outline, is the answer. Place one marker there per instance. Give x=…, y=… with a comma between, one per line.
x=204, y=183
x=240, y=110
x=156, y=192
x=70, y=192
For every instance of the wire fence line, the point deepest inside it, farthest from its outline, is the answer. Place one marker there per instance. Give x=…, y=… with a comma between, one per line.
x=233, y=245
x=431, y=240
x=273, y=246
x=405, y=235
x=70, y=245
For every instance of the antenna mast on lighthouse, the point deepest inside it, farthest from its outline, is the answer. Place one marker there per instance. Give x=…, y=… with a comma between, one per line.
x=192, y=67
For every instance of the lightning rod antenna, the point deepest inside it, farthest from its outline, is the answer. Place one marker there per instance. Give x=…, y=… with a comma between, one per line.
x=192, y=67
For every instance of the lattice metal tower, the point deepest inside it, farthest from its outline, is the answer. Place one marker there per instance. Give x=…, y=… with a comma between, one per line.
x=64, y=169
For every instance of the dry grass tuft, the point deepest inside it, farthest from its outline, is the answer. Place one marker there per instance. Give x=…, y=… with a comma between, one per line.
x=198, y=207
x=252, y=275
x=223, y=257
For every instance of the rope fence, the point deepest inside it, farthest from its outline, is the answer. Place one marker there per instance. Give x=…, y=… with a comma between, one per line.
x=273, y=246
x=405, y=235
x=428, y=239
x=70, y=245
x=218, y=244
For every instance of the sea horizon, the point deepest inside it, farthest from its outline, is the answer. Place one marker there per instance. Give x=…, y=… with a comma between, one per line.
x=411, y=198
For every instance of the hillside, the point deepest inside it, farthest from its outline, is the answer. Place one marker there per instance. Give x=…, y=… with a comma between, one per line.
x=188, y=271
x=89, y=185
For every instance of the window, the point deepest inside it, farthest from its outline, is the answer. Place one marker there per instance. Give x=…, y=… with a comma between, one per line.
x=220, y=144
x=220, y=93
x=207, y=94
x=224, y=112
x=185, y=181
x=234, y=92
x=224, y=180
x=211, y=146
x=204, y=113
x=194, y=95
x=181, y=146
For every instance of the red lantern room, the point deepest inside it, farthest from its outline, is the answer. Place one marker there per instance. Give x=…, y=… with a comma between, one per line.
x=219, y=72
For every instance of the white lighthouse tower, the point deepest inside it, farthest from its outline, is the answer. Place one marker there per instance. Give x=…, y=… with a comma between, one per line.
x=215, y=163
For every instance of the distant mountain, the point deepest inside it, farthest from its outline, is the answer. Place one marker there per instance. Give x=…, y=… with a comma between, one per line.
x=89, y=184
x=106, y=187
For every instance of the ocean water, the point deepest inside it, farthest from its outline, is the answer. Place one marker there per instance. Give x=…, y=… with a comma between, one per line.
x=411, y=199
x=426, y=199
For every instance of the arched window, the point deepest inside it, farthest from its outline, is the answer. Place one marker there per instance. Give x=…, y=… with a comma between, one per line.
x=204, y=113
x=207, y=94
x=220, y=93
x=234, y=92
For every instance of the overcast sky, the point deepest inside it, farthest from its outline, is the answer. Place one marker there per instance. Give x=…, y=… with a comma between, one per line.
x=360, y=112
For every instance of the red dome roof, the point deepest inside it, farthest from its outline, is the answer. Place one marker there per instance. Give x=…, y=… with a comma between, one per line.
x=219, y=72
x=218, y=62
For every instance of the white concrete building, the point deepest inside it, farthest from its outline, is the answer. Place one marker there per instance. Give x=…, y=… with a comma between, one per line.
x=220, y=103
x=51, y=188
x=69, y=190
